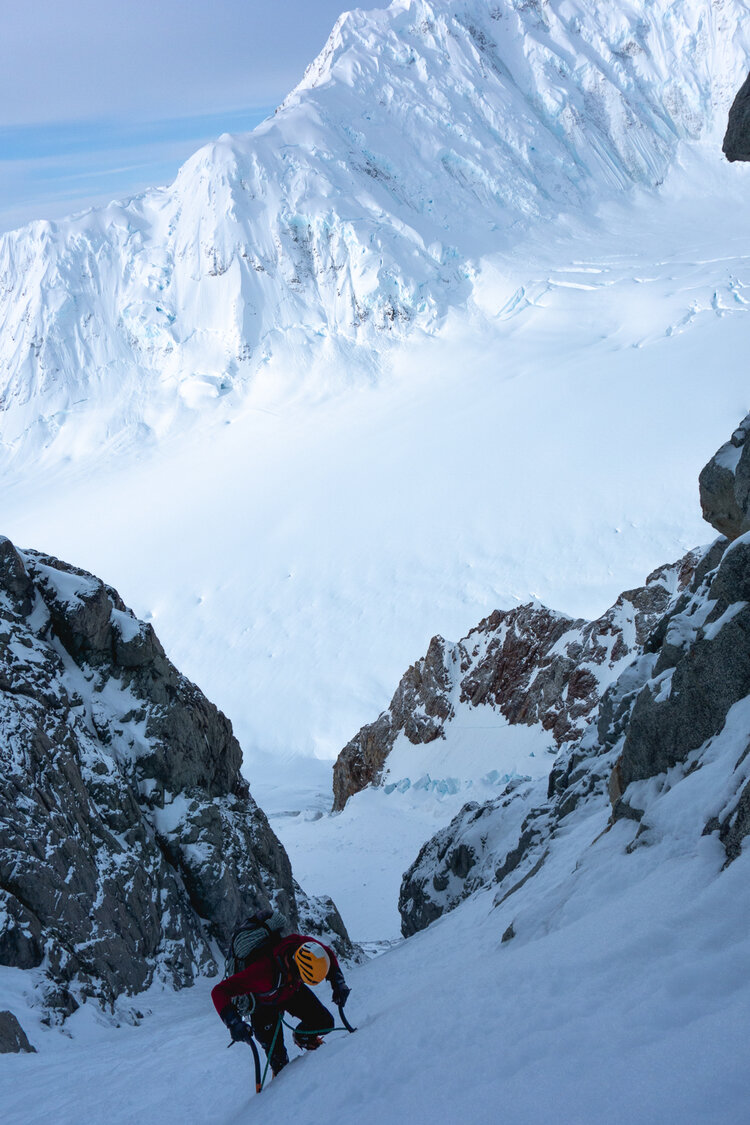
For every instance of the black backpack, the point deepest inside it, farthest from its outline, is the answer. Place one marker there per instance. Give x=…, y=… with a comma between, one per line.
x=252, y=938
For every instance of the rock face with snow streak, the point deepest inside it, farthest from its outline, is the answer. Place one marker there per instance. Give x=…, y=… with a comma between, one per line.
x=531, y=665
x=422, y=138
x=128, y=838
x=672, y=733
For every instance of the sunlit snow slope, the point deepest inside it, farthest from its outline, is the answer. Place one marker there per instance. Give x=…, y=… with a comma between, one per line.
x=622, y=998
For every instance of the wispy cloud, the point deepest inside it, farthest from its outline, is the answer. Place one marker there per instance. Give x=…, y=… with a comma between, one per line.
x=100, y=99
x=51, y=170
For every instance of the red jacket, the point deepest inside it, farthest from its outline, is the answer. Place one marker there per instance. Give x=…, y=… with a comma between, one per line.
x=272, y=978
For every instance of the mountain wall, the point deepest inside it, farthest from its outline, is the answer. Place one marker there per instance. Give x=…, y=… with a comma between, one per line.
x=530, y=665
x=129, y=841
x=422, y=138
x=667, y=749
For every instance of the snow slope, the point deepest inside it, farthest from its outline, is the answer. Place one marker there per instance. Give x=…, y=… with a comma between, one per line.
x=624, y=998
x=611, y=984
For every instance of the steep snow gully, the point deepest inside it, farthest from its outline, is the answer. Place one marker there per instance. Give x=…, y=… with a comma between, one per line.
x=447, y=338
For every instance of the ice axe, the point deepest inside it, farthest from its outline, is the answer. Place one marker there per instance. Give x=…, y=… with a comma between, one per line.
x=256, y=1061
x=344, y=1020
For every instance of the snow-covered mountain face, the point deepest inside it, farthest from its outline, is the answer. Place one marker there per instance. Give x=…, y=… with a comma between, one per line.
x=422, y=138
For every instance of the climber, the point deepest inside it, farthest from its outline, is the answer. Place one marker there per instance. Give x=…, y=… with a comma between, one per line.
x=276, y=980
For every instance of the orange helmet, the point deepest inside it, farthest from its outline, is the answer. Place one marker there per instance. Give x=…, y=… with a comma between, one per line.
x=312, y=961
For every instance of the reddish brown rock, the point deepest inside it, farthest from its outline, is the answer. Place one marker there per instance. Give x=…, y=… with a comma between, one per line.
x=533, y=665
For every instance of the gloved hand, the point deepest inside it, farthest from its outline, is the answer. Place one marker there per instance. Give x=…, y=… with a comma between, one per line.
x=340, y=989
x=237, y=1027
x=340, y=995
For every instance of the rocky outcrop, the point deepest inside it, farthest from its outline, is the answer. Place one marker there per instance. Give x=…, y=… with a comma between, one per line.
x=530, y=664
x=463, y=856
x=701, y=670
x=680, y=707
x=506, y=841
x=13, y=1039
x=736, y=144
x=725, y=485
x=128, y=838
x=419, y=708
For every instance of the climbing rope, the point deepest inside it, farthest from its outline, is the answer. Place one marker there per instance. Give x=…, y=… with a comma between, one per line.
x=346, y=1026
x=270, y=1051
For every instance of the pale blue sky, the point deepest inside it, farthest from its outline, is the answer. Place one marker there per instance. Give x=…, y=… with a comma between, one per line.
x=100, y=99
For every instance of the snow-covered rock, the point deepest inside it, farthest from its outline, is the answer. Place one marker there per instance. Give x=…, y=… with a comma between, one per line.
x=129, y=841
x=423, y=137
x=667, y=750
x=530, y=666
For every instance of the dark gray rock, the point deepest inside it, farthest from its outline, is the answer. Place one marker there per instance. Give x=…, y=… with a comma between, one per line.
x=725, y=485
x=736, y=144
x=14, y=580
x=13, y=1038
x=735, y=828
x=702, y=670
x=319, y=915
x=466, y=855
x=128, y=839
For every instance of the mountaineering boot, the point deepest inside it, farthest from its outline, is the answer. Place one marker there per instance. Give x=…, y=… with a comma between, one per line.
x=308, y=1042
x=279, y=1062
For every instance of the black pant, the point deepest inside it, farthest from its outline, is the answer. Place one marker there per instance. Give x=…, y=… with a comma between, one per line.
x=304, y=1004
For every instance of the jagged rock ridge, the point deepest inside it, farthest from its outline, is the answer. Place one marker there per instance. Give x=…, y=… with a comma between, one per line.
x=530, y=664
x=671, y=733
x=128, y=837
